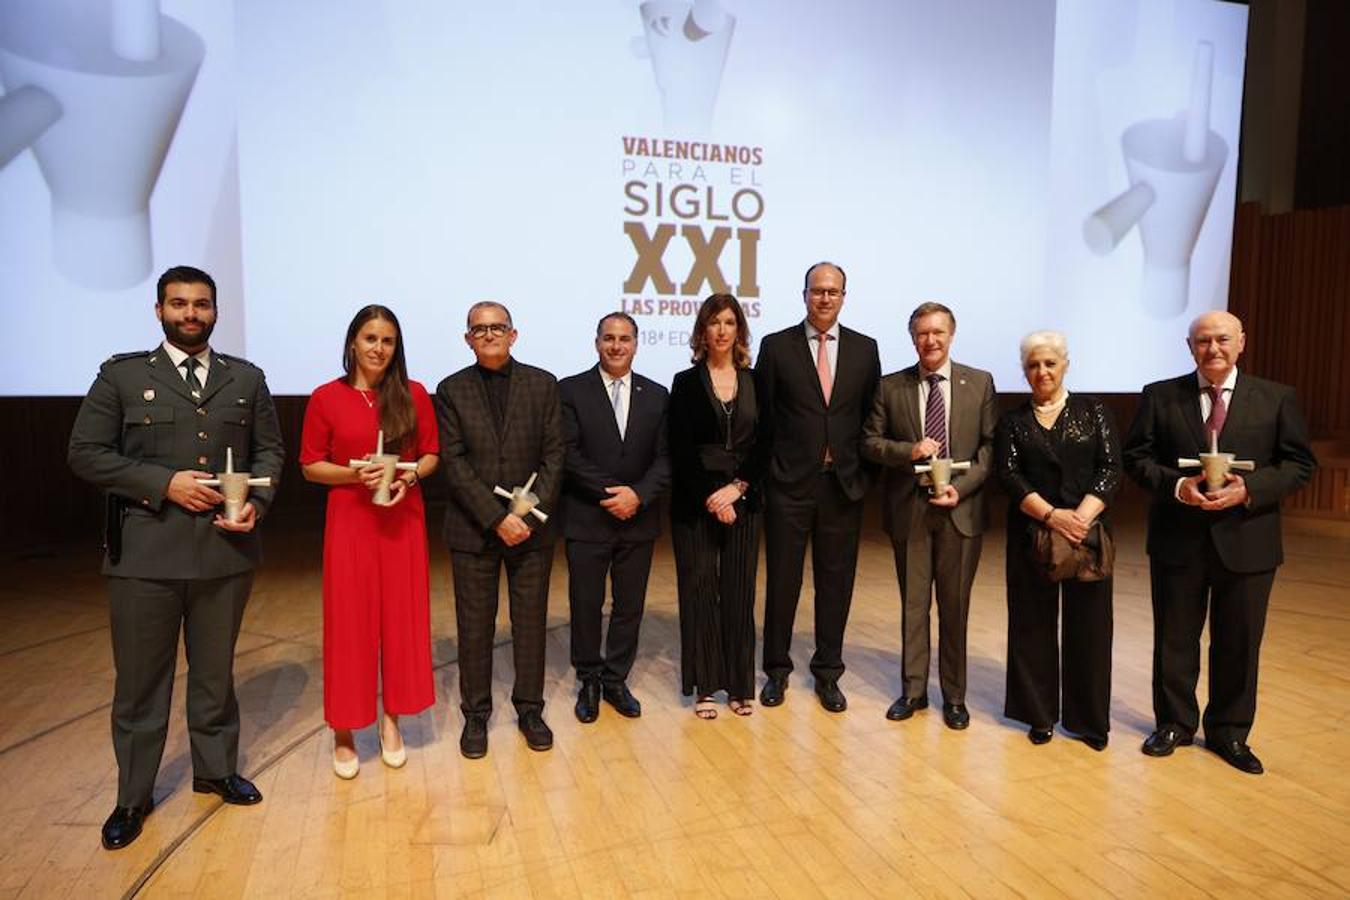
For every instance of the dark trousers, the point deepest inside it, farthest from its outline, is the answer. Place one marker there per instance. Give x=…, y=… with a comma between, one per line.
x=627, y=564
x=145, y=617
x=935, y=555
x=821, y=512
x=715, y=567
x=1034, y=659
x=476, y=577
x=1236, y=604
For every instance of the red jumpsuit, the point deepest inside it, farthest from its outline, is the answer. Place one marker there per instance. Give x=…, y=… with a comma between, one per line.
x=376, y=593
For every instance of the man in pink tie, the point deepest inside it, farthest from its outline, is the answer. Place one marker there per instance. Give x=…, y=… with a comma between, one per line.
x=1213, y=551
x=815, y=382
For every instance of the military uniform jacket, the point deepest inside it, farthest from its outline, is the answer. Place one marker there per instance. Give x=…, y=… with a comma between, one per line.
x=139, y=424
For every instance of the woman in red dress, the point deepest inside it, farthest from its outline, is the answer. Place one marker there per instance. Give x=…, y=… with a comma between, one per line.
x=376, y=604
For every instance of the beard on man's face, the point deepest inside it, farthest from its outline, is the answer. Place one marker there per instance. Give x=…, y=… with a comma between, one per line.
x=182, y=336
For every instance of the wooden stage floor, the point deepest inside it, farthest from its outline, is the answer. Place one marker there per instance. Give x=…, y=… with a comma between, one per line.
x=790, y=802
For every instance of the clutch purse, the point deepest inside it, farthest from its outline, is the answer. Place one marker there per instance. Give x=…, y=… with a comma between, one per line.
x=1058, y=560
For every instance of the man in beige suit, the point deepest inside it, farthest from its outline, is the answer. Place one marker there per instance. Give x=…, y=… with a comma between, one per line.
x=935, y=409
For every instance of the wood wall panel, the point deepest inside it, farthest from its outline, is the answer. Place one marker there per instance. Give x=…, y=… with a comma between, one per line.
x=1291, y=288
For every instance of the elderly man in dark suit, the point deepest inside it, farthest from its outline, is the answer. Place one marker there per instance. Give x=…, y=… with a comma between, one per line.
x=935, y=409
x=151, y=427
x=1213, y=551
x=500, y=423
x=815, y=382
x=614, y=429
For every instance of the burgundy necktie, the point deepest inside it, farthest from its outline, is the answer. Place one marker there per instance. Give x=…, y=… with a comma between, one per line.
x=1218, y=411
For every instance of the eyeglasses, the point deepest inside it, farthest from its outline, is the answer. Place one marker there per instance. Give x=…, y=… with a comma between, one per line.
x=496, y=329
x=825, y=293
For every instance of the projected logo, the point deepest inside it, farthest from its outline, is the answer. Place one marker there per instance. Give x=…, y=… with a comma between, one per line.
x=98, y=98
x=693, y=209
x=1173, y=165
x=687, y=43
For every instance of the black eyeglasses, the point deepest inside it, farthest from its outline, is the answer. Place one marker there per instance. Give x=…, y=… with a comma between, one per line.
x=496, y=329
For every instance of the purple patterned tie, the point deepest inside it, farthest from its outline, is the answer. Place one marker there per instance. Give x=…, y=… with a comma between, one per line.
x=1218, y=412
x=935, y=415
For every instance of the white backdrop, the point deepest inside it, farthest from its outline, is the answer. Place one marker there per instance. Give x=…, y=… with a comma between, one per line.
x=429, y=154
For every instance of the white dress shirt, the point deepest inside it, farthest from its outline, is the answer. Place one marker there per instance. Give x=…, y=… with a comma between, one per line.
x=625, y=397
x=179, y=358
x=831, y=346
x=945, y=385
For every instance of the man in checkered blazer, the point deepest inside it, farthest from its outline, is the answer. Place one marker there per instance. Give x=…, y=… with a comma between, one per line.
x=500, y=422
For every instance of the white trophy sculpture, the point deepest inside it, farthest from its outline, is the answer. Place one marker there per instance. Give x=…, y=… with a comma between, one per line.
x=939, y=471
x=234, y=485
x=1174, y=166
x=390, y=463
x=96, y=89
x=1216, y=465
x=687, y=43
x=523, y=501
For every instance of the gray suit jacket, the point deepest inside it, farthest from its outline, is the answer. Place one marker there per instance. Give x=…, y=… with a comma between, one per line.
x=139, y=425
x=895, y=426
x=475, y=458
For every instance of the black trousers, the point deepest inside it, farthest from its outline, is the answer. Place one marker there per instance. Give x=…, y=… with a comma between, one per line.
x=476, y=577
x=1036, y=652
x=1236, y=604
x=145, y=617
x=627, y=564
x=824, y=514
x=715, y=567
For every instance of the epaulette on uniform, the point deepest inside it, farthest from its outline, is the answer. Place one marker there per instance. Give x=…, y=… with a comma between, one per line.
x=123, y=357
x=235, y=360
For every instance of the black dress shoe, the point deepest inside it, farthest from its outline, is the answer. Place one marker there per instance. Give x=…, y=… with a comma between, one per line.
x=905, y=707
x=473, y=739
x=124, y=825
x=622, y=699
x=1236, y=754
x=830, y=696
x=956, y=716
x=1040, y=736
x=774, y=689
x=538, y=736
x=588, y=701
x=232, y=789
x=1166, y=739
x=1096, y=743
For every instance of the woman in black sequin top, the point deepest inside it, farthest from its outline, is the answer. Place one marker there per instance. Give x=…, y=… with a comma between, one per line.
x=1058, y=457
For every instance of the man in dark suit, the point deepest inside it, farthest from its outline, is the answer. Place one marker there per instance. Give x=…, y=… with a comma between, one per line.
x=500, y=422
x=815, y=382
x=935, y=409
x=614, y=428
x=1213, y=550
x=152, y=424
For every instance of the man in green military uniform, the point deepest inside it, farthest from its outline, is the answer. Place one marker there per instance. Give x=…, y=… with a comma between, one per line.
x=151, y=427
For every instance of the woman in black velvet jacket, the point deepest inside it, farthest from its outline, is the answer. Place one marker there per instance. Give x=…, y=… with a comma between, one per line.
x=715, y=508
x=1058, y=457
